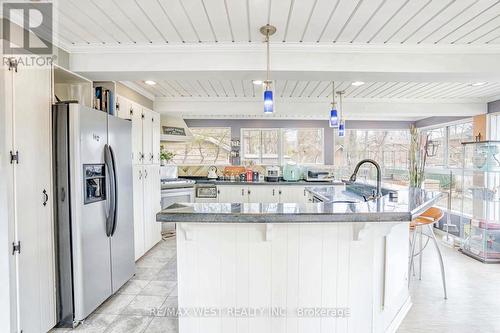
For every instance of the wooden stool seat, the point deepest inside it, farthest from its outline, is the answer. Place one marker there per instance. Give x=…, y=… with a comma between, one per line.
x=431, y=215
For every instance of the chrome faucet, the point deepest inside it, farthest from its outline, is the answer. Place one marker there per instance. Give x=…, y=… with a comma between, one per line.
x=378, y=193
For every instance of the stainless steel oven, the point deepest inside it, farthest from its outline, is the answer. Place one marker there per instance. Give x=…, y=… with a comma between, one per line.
x=171, y=196
x=206, y=193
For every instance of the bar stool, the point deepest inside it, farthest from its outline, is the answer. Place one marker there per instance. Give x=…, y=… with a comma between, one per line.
x=425, y=221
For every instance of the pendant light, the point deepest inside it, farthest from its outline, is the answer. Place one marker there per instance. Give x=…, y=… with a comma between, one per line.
x=268, y=30
x=342, y=120
x=334, y=115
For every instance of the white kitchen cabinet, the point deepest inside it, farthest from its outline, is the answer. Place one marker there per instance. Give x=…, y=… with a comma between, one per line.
x=156, y=138
x=137, y=152
x=231, y=193
x=290, y=193
x=147, y=202
x=123, y=108
x=147, y=136
x=28, y=163
x=262, y=194
x=152, y=205
x=138, y=198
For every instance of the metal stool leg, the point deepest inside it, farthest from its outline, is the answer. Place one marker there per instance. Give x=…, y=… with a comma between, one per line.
x=431, y=233
x=421, y=252
x=412, y=252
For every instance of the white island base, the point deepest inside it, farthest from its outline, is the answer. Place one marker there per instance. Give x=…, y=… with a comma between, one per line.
x=315, y=277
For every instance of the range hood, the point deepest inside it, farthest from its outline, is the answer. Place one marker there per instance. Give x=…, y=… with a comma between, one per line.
x=174, y=128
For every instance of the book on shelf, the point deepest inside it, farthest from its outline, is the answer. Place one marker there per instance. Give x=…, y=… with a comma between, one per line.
x=103, y=100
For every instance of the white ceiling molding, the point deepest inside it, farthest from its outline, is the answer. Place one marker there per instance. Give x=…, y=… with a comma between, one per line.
x=367, y=110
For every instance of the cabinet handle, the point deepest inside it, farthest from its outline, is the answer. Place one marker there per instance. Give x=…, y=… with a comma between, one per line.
x=145, y=174
x=141, y=156
x=140, y=174
x=273, y=191
x=131, y=111
x=151, y=157
x=242, y=191
x=45, y=197
x=248, y=191
x=304, y=192
x=279, y=192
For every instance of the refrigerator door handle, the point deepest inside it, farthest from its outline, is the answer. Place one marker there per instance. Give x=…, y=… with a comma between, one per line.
x=108, y=160
x=115, y=191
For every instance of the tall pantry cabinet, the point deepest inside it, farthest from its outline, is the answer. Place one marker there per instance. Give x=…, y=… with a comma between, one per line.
x=25, y=158
x=146, y=169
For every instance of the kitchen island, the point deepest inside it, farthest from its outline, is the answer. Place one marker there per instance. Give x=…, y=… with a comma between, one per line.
x=335, y=266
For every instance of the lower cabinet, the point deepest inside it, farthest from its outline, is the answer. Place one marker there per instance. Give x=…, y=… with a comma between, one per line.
x=147, y=202
x=262, y=194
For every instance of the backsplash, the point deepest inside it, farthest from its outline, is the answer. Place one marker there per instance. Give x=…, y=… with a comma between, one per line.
x=202, y=170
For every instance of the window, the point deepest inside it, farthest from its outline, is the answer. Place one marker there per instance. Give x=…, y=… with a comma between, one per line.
x=209, y=146
x=456, y=135
x=260, y=146
x=388, y=147
x=304, y=146
x=277, y=146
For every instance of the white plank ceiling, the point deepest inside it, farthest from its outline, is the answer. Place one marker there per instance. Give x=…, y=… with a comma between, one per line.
x=321, y=89
x=158, y=22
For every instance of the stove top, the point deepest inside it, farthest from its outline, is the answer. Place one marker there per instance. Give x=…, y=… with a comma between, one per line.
x=176, y=183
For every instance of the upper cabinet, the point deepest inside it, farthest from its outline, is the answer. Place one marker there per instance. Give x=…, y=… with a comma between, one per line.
x=145, y=130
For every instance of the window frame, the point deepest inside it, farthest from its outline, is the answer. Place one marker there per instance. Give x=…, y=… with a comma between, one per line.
x=281, y=131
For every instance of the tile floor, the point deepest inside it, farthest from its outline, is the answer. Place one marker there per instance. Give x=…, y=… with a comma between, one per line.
x=473, y=303
x=154, y=286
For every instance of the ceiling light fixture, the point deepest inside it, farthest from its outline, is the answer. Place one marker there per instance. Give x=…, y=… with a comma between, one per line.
x=357, y=83
x=477, y=84
x=257, y=82
x=334, y=115
x=342, y=120
x=268, y=30
x=150, y=82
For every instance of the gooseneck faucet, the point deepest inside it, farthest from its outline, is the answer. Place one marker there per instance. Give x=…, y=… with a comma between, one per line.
x=379, y=175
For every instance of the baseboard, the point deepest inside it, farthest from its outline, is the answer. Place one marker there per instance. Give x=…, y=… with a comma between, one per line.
x=393, y=327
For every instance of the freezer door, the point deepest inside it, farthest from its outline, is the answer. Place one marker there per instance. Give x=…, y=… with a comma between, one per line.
x=91, y=245
x=122, y=235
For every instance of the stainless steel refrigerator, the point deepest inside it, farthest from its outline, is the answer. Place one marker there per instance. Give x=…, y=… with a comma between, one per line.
x=94, y=209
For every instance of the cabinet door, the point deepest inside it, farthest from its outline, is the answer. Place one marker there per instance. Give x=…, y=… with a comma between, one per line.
x=147, y=136
x=152, y=202
x=156, y=138
x=123, y=107
x=155, y=188
x=31, y=105
x=138, y=197
x=263, y=194
x=231, y=194
x=137, y=151
x=293, y=194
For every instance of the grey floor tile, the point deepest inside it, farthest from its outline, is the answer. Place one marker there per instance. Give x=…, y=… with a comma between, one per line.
x=163, y=325
x=145, y=273
x=95, y=323
x=129, y=324
x=133, y=287
x=115, y=304
x=143, y=305
x=159, y=288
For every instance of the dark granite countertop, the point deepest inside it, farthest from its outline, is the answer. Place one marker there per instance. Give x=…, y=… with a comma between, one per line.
x=347, y=206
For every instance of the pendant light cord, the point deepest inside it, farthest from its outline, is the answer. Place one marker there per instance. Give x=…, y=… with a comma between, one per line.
x=268, y=61
x=333, y=93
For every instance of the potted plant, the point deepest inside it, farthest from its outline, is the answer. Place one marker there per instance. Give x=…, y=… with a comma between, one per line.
x=166, y=157
x=418, y=157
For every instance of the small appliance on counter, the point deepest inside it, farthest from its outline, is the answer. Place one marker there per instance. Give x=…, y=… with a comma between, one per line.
x=272, y=173
x=318, y=175
x=292, y=172
x=212, y=172
x=249, y=175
